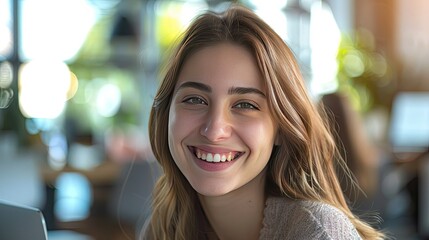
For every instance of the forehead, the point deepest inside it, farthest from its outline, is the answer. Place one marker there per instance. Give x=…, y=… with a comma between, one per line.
x=222, y=62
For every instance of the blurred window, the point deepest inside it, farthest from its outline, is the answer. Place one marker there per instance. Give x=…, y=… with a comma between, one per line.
x=6, y=40
x=54, y=28
x=409, y=129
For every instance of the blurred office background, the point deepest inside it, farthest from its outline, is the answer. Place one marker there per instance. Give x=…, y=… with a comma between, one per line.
x=77, y=78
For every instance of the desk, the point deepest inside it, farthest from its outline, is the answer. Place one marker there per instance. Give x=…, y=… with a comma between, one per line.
x=104, y=174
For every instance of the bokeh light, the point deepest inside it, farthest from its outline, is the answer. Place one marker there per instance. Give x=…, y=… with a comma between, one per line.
x=5, y=29
x=325, y=38
x=73, y=197
x=6, y=77
x=5, y=41
x=57, y=150
x=108, y=100
x=6, y=97
x=74, y=85
x=56, y=34
x=274, y=4
x=353, y=64
x=6, y=74
x=172, y=19
x=276, y=18
x=43, y=88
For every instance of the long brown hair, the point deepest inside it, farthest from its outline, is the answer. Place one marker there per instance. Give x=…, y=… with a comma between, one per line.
x=302, y=167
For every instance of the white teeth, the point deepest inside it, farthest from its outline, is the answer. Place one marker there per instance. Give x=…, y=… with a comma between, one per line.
x=209, y=157
x=214, y=157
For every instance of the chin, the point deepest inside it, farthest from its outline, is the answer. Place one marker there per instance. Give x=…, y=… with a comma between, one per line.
x=212, y=191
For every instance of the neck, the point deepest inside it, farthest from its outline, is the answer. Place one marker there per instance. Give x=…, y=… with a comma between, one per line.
x=238, y=214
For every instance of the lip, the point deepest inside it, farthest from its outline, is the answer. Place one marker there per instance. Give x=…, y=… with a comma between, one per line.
x=213, y=166
x=212, y=149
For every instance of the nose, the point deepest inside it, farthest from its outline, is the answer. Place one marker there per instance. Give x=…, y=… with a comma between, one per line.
x=217, y=126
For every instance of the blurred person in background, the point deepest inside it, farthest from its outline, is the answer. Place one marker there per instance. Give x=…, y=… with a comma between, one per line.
x=362, y=156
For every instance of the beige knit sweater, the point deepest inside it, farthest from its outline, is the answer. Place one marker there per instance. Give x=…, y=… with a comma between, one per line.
x=304, y=220
x=287, y=219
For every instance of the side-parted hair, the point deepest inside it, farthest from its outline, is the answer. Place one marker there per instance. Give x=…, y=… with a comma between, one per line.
x=301, y=167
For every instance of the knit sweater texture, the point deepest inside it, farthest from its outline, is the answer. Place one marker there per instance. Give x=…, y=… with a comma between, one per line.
x=285, y=218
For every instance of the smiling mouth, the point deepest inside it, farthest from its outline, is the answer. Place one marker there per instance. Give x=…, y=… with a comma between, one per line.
x=215, y=157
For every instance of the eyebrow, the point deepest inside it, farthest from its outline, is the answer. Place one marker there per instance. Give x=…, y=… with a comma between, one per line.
x=231, y=91
x=245, y=90
x=196, y=85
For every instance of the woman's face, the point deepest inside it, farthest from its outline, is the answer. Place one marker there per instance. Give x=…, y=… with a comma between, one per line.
x=220, y=130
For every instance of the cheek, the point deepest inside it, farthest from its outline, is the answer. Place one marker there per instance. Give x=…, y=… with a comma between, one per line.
x=173, y=130
x=174, y=135
x=259, y=137
x=258, y=133
x=180, y=125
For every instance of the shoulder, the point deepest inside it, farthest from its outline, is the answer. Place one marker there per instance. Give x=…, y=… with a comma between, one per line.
x=301, y=219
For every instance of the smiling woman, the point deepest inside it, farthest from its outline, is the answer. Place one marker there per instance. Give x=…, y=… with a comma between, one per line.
x=244, y=151
x=223, y=115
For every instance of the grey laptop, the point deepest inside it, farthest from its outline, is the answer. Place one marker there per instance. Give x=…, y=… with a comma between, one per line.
x=19, y=222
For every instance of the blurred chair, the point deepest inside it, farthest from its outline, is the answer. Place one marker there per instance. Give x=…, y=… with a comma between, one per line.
x=369, y=164
x=390, y=186
x=408, y=138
